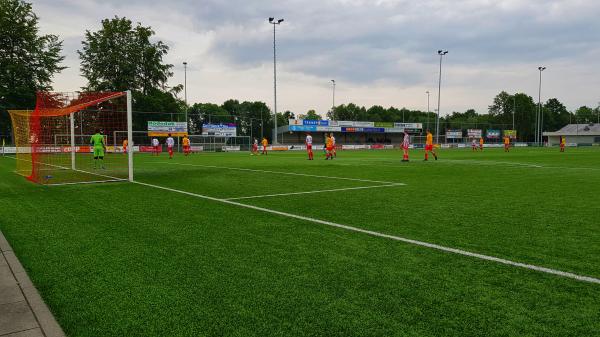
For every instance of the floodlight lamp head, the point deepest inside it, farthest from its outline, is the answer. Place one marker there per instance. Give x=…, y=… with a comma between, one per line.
x=185, y=63
x=280, y=21
x=271, y=19
x=440, y=52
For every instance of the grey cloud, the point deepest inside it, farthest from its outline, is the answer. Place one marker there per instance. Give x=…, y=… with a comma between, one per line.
x=485, y=35
x=373, y=41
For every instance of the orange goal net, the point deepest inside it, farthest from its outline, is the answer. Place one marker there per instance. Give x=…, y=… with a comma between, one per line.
x=74, y=137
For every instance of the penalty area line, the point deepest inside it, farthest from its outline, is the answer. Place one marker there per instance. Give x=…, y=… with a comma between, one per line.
x=540, y=269
x=311, y=192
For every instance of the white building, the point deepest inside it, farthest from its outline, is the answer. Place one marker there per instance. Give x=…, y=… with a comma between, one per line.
x=582, y=134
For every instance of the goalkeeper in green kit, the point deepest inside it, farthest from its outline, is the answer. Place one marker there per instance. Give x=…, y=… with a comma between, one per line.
x=97, y=142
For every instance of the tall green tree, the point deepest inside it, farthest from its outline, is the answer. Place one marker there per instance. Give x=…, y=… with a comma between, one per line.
x=349, y=112
x=122, y=56
x=519, y=107
x=28, y=60
x=585, y=114
x=556, y=115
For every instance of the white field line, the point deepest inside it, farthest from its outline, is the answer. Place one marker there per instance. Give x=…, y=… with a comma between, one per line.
x=285, y=173
x=391, y=237
x=514, y=164
x=466, y=162
x=88, y=182
x=492, y=163
x=311, y=192
x=111, y=178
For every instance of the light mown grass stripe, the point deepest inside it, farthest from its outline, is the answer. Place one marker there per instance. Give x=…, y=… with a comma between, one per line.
x=285, y=173
x=391, y=237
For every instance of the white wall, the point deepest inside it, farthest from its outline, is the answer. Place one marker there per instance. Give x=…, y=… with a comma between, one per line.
x=555, y=140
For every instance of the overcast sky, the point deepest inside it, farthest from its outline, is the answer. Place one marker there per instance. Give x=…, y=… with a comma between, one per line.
x=379, y=51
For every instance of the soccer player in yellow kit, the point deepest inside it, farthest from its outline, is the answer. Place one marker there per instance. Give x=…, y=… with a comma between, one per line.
x=506, y=144
x=186, y=145
x=125, y=143
x=481, y=143
x=563, y=143
x=265, y=143
x=429, y=146
x=329, y=147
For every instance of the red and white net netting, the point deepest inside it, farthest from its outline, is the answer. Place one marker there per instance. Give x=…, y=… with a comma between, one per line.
x=54, y=140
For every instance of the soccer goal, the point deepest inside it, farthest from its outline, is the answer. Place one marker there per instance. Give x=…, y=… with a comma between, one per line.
x=210, y=143
x=54, y=141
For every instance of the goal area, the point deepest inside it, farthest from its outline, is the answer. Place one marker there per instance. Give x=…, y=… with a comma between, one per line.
x=54, y=141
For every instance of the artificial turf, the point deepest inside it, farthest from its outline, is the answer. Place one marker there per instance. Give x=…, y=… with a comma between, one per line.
x=122, y=259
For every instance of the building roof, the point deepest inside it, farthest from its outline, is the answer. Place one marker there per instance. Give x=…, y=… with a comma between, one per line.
x=590, y=129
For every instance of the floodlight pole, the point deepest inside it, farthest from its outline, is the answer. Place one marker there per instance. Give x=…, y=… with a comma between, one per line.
x=185, y=92
x=427, y=120
x=130, y=143
x=275, y=23
x=333, y=100
x=539, y=120
x=514, y=110
x=437, y=122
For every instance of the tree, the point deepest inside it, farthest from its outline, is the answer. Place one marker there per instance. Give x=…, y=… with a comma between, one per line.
x=311, y=115
x=503, y=104
x=350, y=112
x=377, y=113
x=121, y=57
x=585, y=115
x=202, y=113
x=28, y=60
x=556, y=115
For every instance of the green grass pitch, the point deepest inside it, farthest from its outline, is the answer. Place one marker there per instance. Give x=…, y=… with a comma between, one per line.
x=123, y=259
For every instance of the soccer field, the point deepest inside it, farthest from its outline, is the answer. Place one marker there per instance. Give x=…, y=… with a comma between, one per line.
x=228, y=244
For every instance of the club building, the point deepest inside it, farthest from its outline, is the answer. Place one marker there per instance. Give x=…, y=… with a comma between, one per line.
x=580, y=134
x=346, y=132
